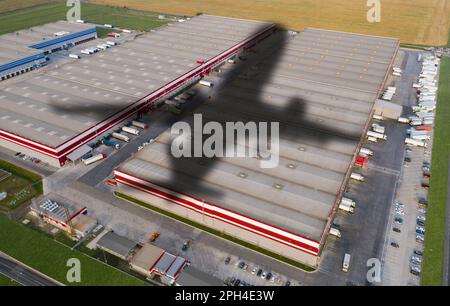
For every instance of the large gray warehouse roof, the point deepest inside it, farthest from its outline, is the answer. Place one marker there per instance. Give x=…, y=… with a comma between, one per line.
x=320, y=86
x=52, y=105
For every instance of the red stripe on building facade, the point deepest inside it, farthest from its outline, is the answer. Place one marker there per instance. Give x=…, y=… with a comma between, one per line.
x=224, y=217
x=61, y=151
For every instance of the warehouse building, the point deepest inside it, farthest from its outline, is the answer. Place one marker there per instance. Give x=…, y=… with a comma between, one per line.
x=64, y=214
x=150, y=260
x=26, y=50
x=116, y=245
x=53, y=113
x=321, y=86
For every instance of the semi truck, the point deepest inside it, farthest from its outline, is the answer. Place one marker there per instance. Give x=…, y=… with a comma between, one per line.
x=414, y=142
x=378, y=117
x=372, y=139
x=420, y=137
x=347, y=208
x=206, y=83
x=357, y=177
x=139, y=124
x=416, y=122
x=403, y=120
x=377, y=135
x=111, y=143
x=131, y=130
x=121, y=137
x=378, y=128
x=347, y=201
x=74, y=56
x=366, y=151
x=346, y=262
x=94, y=158
x=335, y=232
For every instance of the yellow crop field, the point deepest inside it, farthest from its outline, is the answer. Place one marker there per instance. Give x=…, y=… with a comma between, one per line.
x=413, y=21
x=11, y=5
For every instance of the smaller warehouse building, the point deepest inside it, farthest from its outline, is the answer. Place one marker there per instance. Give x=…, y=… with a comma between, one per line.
x=116, y=245
x=26, y=50
x=151, y=260
x=64, y=215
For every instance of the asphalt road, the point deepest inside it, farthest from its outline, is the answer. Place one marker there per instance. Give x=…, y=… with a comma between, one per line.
x=8, y=156
x=22, y=274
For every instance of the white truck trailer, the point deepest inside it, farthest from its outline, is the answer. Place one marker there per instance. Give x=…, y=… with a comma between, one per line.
x=335, y=232
x=206, y=83
x=377, y=135
x=357, y=177
x=347, y=201
x=346, y=262
x=121, y=137
x=403, y=120
x=94, y=158
x=139, y=124
x=366, y=151
x=347, y=208
x=130, y=130
x=416, y=143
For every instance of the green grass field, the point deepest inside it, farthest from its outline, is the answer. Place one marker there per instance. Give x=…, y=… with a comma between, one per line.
x=50, y=257
x=215, y=232
x=23, y=18
x=21, y=186
x=6, y=281
x=435, y=234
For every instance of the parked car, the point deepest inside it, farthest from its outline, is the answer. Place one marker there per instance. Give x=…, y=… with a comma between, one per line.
x=17, y=154
x=420, y=238
x=268, y=276
x=227, y=260
x=254, y=270
x=237, y=282
x=423, y=201
x=420, y=223
x=397, y=230
x=398, y=220
x=263, y=275
x=260, y=271
x=414, y=272
x=233, y=279
x=420, y=230
x=395, y=245
x=400, y=212
x=407, y=159
x=421, y=218
x=418, y=252
x=241, y=265
x=287, y=283
x=416, y=259
x=185, y=245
